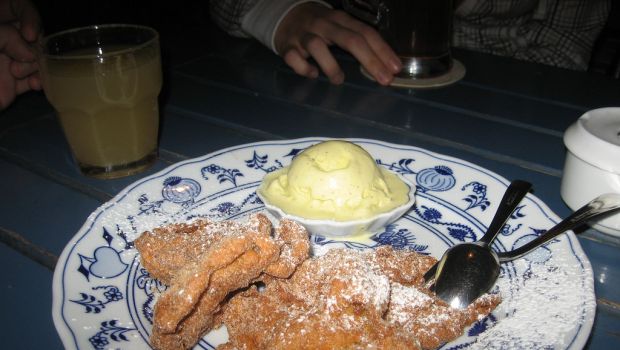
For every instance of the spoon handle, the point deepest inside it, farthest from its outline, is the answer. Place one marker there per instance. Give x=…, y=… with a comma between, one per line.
x=511, y=199
x=602, y=204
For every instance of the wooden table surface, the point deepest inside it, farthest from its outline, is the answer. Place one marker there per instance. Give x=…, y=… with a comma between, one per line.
x=506, y=116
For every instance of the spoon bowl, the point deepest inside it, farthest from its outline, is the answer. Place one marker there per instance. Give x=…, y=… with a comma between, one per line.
x=467, y=271
x=509, y=202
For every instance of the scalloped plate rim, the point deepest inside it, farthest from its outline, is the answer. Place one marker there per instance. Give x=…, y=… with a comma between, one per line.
x=67, y=336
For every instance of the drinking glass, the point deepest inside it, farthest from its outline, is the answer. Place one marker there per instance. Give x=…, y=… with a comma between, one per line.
x=104, y=81
x=419, y=31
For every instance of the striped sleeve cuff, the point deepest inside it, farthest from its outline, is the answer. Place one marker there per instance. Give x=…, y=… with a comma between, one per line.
x=263, y=20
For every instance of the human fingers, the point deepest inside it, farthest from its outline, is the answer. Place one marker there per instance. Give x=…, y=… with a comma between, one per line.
x=21, y=70
x=22, y=85
x=294, y=59
x=358, y=45
x=28, y=17
x=7, y=82
x=376, y=42
x=34, y=81
x=312, y=27
x=319, y=50
x=337, y=27
x=13, y=45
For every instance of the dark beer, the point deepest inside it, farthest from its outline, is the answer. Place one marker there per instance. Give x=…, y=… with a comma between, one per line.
x=419, y=31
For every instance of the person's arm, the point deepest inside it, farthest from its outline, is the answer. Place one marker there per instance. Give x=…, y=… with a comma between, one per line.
x=299, y=30
x=20, y=28
x=554, y=32
x=228, y=15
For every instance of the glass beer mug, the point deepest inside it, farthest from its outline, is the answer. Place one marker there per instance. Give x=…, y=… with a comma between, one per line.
x=419, y=31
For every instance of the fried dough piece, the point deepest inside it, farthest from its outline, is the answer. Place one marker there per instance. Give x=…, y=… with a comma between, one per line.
x=348, y=300
x=295, y=249
x=403, y=266
x=231, y=257
x=166, y=250
x=431, y=320
x=336, y=301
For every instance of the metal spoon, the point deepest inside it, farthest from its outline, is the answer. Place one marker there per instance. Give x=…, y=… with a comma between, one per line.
x=512, y=197
x=471, y=270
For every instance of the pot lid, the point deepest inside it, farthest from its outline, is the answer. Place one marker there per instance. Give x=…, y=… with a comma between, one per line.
x=595, y=138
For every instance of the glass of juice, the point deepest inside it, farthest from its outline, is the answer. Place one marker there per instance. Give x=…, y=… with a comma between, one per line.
x=104, y=82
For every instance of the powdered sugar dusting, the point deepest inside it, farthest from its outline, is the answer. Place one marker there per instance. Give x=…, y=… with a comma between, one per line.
x=536, y=293
x=544, y=306
x=541, y=305
x=547, y=303
x=404, y=298
x=357, y=293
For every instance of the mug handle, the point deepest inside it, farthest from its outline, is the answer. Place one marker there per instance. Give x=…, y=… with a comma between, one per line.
x=366, y=10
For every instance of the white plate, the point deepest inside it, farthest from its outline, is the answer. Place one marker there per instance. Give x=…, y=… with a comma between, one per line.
x=103, y=298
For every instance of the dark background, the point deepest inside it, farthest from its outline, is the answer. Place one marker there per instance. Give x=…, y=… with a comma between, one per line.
x=180, y=23
x=163, y=15
x=171, y=18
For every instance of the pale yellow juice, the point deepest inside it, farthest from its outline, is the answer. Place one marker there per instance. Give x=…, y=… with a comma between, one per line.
x=107, y=106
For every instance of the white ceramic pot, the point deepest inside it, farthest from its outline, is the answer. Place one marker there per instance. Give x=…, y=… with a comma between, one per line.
x=592, y=165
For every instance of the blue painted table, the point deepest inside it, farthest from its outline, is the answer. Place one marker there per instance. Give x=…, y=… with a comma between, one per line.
x=506, y=116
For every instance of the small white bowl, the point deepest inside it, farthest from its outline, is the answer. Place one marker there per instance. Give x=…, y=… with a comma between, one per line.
x=592, y=165
x=333, y=228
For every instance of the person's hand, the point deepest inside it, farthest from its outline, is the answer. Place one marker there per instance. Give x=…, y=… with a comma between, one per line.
x=20, y=27
x=310, y=28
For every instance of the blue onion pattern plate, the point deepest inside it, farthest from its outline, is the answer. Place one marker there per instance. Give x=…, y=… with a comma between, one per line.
x=103, y=297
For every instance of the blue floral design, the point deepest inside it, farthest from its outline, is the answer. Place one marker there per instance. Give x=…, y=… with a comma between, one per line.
x=439, y=178
x=401, y=167
x=148, y=207
x=482, y=325
x=392, y=235
x=229, y=209
x=113, y=294
x=223, y=174
x=99, y=341
x=223, y=203
x=259, y=162
x=109, y=330
x=180, y=190
x=476, y=329
x=478, y=198
x=517, y=214
x=149, y=285
x=399, y=239
x=462, y=233
x=460, y=346
x=106, y=261
x=92, y=304
x=457, y=231
x=508, y=229
x=430, y=214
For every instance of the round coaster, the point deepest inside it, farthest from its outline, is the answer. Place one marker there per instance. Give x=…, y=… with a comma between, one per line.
x=456, y=73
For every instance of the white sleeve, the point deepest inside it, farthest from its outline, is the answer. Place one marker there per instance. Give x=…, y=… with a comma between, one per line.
x=265, y=17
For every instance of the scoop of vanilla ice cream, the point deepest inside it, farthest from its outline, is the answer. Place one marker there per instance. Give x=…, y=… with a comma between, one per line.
x=335, y=180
